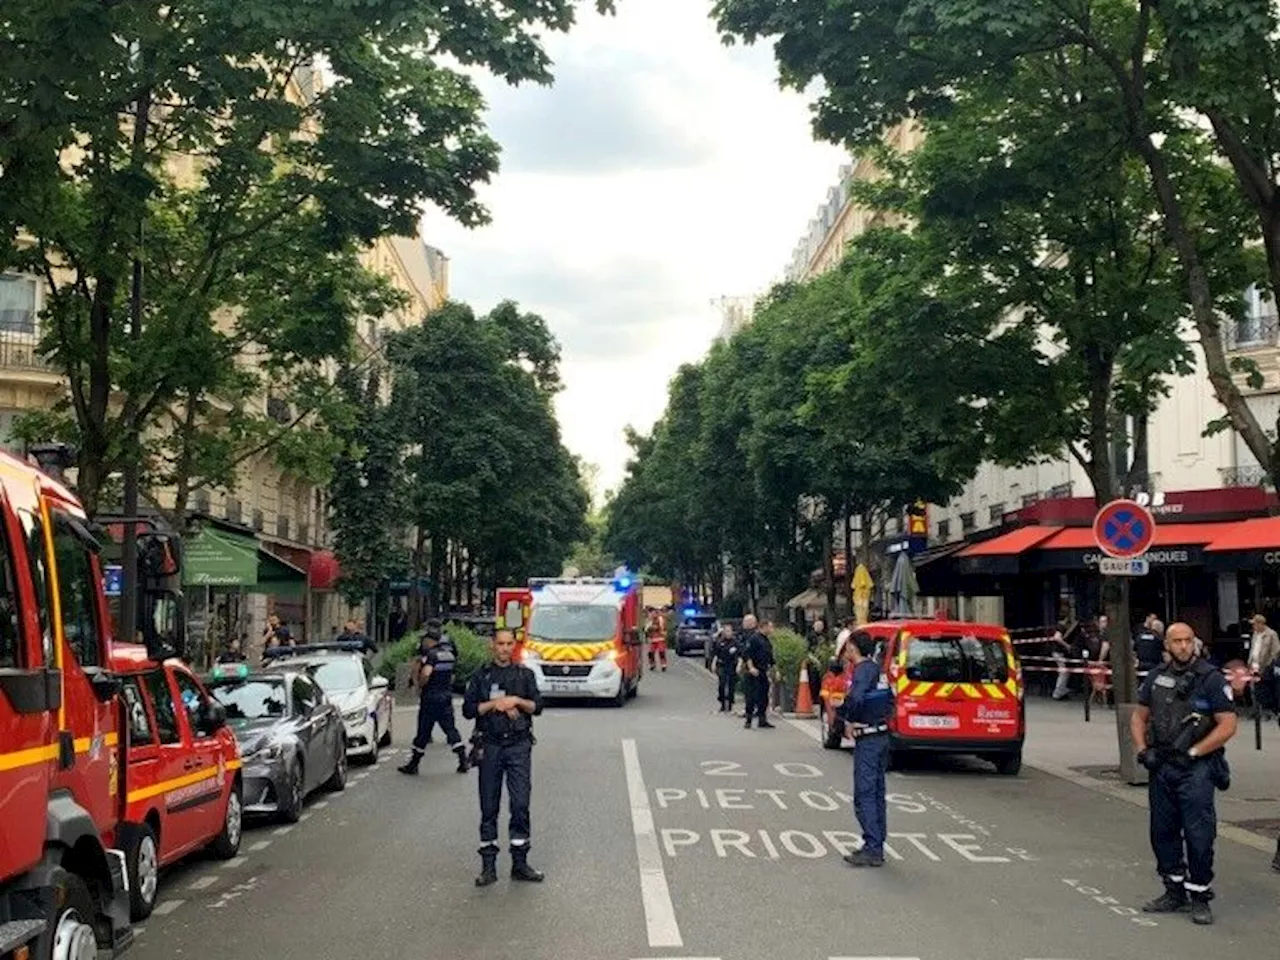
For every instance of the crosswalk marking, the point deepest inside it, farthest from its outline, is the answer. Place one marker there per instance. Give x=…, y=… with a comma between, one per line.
x=260, y=845
x=281, y=831
x=203, y=883
x=167, y=907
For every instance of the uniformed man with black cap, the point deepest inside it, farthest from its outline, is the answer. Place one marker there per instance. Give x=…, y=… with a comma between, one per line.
x=1183, y=720
x=432, y=674
x=502, y=698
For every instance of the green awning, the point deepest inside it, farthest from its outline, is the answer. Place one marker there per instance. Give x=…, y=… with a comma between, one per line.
x=279, y=577
x=220, y=558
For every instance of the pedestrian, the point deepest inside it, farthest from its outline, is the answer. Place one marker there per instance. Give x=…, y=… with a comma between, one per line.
x=1148, y=645
x=1061, y=651
x=502, y=698
x=656, y=633
x=232, y=653
x=432, y=674
x=351, y=633
x=866, y=711
x=846, y=631
x=1264, y=654
x=276, y=634
x=1183, y=721
x=726, y=654
x=399, y=624
x=757, y=657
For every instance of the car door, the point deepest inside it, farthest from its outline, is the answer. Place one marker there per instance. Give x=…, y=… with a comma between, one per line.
x=142, y=768
x=376, y=698
x=207, y=794
x=175, y=767
x=312, y=733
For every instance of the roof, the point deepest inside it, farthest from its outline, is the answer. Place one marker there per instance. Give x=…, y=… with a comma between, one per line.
x=1011, y=543
x=925, y=626
x=1166, y=535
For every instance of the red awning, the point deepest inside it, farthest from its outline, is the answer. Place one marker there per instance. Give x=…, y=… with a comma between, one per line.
x=1167, y=535
x=1010, y=544
x=1262, y=533
x=323, y=570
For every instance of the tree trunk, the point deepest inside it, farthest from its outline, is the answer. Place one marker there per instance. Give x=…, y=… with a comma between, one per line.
x=829, y=569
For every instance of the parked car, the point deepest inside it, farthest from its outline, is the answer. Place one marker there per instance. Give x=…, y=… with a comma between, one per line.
x=347, y=679
x=181, y=776
x=292, y=739
x=695, y=633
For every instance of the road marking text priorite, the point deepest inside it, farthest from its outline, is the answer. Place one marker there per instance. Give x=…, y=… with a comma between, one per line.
x=659, y=911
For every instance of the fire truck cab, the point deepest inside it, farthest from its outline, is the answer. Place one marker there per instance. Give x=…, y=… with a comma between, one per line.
x=63, y=885
x=581, y=637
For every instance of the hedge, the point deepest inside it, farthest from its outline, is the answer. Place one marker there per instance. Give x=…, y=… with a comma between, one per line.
x=473, y=653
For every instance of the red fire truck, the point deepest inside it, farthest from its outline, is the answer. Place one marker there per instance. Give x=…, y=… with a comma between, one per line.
x=580, y=636
x=63, y=889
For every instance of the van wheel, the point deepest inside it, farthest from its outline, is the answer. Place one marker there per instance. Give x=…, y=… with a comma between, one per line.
x=227, y=843
x=142, y=860
x=1009, y=764
x=70, y=933
x=635, y=689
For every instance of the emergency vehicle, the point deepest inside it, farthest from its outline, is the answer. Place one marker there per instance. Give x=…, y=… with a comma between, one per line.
x=63, y=881
x=580, y=636
x=181, y=772
x=958, y=689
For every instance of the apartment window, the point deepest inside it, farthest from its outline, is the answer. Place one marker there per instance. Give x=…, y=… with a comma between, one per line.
x=967, y=521
x=282, y=526
x=259, y=523
x=1259, y=323
x=995, y=513
x=1029, y=498
x=944, y=530
x=17, y=304
x=1061, y=492
x=235, y=510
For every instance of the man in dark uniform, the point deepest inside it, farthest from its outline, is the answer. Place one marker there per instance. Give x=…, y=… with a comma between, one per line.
x=351, y=633
x=433, y=676
x=726, y=657
x=866, y=711
x=1148, y=646
x=502, y=698
x=1183, y=720
x=757, y=654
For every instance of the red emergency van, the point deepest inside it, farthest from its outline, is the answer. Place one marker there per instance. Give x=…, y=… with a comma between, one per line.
x=958, y=687
x=181, y=773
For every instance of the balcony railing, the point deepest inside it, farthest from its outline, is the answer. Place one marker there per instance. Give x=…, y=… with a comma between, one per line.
x=20, y=351
x=1257, y=330
x=1252, y=476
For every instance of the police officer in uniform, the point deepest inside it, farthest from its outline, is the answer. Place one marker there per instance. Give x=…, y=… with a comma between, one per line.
x=726, y=655
x=1148, y=645
x=866, y=711
x=433, y=676
x=1183, y=720
x=502, y=698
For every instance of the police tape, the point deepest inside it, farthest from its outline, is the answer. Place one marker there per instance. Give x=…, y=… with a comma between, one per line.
x=1238, y=677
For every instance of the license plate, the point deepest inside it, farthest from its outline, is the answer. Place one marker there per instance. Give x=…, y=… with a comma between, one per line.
x=926, y=722
x=562, y=686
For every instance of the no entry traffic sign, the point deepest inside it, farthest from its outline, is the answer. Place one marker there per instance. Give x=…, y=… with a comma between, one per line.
x=1124, y=529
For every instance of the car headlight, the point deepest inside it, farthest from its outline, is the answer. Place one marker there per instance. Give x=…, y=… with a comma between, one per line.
x=607, y=655
x=354, y=716
x=272, y=751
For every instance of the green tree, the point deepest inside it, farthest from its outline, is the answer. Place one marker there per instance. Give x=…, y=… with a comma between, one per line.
x=195, y=149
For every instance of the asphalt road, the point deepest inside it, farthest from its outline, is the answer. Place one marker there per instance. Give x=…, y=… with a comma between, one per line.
x=667, y=830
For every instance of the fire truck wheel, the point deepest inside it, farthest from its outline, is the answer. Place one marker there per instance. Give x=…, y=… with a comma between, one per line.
x=294, y=795
x=227, y=843
x=70, y=933
x=142, y=859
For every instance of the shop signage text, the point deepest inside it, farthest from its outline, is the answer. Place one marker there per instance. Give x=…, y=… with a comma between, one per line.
x=1164, y=557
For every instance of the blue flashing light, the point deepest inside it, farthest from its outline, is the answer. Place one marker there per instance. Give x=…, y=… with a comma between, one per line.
x=689, y=611
x=623, y=583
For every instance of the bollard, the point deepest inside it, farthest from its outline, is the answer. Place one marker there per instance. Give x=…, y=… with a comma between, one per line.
x=1257, y=723
x=1088, y=701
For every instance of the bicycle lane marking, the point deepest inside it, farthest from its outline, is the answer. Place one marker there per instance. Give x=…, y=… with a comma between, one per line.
x=659, y=912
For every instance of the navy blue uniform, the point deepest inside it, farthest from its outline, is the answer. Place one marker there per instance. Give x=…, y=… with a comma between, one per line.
x=726, y=656
x=1184, y=822
x=507, y=752
x=757, y=651
x=868, y=706
x=435, y=703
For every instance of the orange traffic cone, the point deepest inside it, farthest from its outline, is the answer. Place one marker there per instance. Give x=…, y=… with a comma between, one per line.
x=804, y=699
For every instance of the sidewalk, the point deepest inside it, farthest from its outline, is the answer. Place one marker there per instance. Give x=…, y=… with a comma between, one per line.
x=1059, y=742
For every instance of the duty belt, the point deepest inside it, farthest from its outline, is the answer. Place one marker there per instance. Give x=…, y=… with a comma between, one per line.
x=864, y=730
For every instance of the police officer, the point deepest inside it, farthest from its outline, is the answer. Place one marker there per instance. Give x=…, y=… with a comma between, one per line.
x=757, y=656
x=503, y=699
x=866, y=711
x=1148, y=646
x=433, y=676
x=1183, y=720
x=726, y=654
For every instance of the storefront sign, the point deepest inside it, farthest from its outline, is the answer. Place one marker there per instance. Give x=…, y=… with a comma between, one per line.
x=1131, y=567
x=1164, y=558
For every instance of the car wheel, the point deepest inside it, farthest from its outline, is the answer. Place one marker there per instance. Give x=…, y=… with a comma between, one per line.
x=227, y=843
x=1009, y=764
x=71, y=934
x=338, y=782
x=142, y=861
x=375, y=745
x=295, y=794
x=634, y=689
x=386, y=736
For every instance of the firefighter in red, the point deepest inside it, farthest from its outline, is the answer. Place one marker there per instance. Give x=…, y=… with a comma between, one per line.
x=655, y=632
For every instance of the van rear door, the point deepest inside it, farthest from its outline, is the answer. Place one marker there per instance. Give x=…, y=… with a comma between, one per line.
x=956, y=688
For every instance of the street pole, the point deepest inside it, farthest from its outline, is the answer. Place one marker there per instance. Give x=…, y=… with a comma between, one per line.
x=1123, y=679
x=129, y=552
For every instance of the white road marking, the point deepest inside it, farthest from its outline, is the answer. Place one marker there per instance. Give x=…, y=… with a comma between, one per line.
x=659, y=911
x=260, y=845
x=874, y=958
x=203, y=883
x=166, y=908
x=281, y=831
x=808, y=727
x=233, y=863
x=360, y=776
x=319, y=804
x=305, y=817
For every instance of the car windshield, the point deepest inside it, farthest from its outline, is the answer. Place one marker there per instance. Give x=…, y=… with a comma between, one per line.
x=963, y=659
x=251, y=699
x=570, y=622
x=338, y=676
x=699, y=623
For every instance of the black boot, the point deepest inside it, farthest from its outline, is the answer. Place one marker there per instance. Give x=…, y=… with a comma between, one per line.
x=520, y=869
x=1275, y=864
x=488, y=868
x=1173, y=900
x=1200, y=912
x=411, y=767
x=461, y=751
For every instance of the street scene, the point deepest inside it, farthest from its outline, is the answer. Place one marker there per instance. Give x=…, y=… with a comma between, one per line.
x=639, y=479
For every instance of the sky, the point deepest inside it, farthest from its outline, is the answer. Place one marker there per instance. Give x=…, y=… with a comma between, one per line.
x=661, y=172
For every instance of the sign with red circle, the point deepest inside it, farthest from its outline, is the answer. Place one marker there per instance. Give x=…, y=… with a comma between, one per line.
x=1124, y=529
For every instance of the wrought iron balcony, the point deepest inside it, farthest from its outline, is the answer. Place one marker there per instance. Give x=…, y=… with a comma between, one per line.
x=1251, y=476
x=1256, y=330
x=21, y=351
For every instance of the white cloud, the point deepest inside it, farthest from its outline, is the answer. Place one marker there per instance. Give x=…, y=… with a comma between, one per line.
x=661, y=172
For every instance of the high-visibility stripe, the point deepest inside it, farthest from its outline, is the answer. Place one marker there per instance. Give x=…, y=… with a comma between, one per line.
x=992, y=690
x=921, y=689
x=945, y=689
x=903, y=683
x=17, y=759
x=970, y=691
x=177, y=783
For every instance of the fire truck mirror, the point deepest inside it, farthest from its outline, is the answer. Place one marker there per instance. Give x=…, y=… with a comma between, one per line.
x=513, y=616
x=106, y=686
